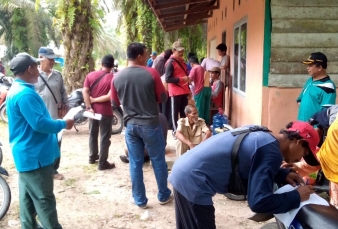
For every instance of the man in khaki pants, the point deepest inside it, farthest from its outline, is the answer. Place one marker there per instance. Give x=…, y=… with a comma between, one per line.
x=189, y=131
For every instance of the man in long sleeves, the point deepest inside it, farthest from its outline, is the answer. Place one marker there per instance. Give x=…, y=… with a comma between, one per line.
x=178, y=83
x=217, y=87
x=205, y=170
x=32, y=136
x=139, y=89
x=54, y=95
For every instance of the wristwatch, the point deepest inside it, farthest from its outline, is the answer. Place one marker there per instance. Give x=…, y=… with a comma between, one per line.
x=88, y=108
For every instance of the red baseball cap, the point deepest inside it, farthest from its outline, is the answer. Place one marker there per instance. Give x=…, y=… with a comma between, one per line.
x=309, y=134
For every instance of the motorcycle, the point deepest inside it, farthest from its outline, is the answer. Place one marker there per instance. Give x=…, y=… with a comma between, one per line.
x=5, y=84
x=75, y=99
x=115, y=68
x=310, y=216
x=5, y=192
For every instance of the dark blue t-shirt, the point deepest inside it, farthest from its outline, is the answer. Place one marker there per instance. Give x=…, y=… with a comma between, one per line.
x=205, y=170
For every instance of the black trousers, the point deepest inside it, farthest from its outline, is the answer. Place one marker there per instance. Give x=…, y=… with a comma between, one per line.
x=193, y=216
x=104, y=126
x=56, y=164
x=165, y=109
x=178, y=103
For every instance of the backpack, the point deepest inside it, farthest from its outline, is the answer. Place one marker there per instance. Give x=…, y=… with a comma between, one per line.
x=238, y=187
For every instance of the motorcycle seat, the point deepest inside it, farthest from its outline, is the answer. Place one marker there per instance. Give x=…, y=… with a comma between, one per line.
x=313, y=216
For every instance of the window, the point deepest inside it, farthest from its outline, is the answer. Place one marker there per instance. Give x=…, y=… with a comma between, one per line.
x=224, y=37
x=240, y=41
x=212, y=49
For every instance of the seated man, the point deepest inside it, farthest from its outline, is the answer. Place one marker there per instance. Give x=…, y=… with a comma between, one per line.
x=205, y=170
x=189, y=131
x=164, y=125
x=217, y=87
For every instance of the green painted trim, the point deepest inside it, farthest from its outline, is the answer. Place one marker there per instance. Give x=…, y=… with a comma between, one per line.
x=267, y=42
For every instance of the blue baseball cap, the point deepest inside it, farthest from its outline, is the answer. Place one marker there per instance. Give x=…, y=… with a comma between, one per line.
x=48, y=53
x=154, y=54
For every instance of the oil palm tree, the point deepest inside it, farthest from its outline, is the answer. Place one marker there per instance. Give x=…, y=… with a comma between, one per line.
x=23, y=28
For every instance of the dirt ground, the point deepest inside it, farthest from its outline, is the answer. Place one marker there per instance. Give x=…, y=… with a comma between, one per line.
x=88, y=198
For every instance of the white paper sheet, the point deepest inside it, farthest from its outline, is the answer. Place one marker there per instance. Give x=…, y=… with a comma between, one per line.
x=70, y=115
x=286, y=218
x=91, y=115
x=72, y=112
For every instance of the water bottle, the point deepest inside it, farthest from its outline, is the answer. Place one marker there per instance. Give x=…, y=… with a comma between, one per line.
x=218, y=120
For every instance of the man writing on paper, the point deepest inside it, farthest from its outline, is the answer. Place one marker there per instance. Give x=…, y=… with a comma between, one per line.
x=205, y=170
x=96, y=94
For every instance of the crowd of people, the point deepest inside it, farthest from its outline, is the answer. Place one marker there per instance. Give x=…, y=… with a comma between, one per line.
x=155, y=99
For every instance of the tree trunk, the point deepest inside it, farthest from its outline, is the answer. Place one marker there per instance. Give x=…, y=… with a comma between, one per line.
x=78, y=42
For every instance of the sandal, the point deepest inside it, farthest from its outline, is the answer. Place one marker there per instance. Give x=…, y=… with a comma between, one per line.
x=58, y=177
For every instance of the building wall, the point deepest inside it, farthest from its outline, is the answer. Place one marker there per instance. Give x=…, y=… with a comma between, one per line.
x=246, y=107
x=298, y=29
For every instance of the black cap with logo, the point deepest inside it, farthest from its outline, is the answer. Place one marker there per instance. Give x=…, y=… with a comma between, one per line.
x=316, y=57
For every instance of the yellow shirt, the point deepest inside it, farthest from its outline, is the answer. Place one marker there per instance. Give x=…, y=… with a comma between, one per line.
x=328, y=153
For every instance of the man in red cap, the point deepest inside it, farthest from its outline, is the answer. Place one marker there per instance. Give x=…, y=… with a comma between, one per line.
x=205, y=170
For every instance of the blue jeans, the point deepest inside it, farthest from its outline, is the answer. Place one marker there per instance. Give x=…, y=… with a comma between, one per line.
x=149, y=137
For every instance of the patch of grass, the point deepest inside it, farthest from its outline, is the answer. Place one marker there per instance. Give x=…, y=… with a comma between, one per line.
x=3, y=125
x=90, y=169
x=117, y=216
x=70, y=182
x=94, y=192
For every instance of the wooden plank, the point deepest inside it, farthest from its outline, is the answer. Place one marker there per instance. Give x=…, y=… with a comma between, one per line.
x=293, y=80
x=299, y=54
x=176, y=4
x=314, y=40
x=304, y=3
x=176, y=27
x=169, y=23
x=304, y=26
x=298, y=68
x=279, y=12
x=194, y=11
x=190, y=17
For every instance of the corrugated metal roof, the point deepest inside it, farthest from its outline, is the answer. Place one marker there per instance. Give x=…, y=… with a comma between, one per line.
x=176, y=14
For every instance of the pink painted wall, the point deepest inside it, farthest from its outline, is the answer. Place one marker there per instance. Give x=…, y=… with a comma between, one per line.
x=246, y=107
x=279, y=107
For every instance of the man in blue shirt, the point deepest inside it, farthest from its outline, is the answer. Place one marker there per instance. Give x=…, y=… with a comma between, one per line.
x=205, y=170
x=151, y=59
x=32, y=136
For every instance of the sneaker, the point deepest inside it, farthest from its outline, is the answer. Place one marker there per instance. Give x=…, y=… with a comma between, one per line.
x=144, y=206
x=58, y=176
x=106, y=165
x=94, y=161
x=171, y=197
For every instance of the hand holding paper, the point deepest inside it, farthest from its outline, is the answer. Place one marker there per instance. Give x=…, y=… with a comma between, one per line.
x=92, y=115
x=70, y=119
x=286, y=218
x=72, y=112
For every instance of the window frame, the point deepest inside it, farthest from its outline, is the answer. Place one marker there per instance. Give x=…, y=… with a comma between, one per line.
x=238, y=26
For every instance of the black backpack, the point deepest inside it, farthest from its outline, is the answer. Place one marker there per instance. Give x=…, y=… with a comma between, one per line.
x=238, y=187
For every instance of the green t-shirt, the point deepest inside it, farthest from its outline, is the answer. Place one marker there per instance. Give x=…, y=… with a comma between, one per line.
x=314, y=96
